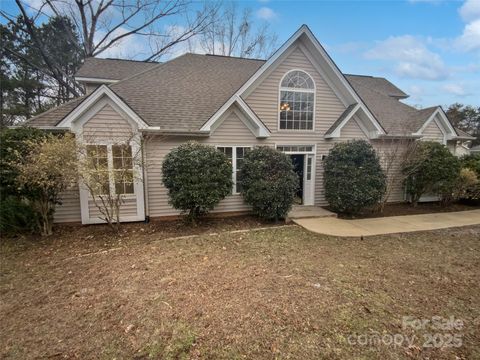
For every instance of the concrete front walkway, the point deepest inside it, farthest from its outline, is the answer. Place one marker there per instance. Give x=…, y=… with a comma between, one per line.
x=391, y=224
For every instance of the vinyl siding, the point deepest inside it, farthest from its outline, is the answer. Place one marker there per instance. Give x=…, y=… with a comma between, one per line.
x=69, y=210
x=392, y=149
x=432, y=132
x=264, y=99
x=107, y=125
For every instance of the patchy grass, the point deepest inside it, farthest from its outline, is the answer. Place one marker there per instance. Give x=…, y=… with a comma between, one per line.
x=277, y=293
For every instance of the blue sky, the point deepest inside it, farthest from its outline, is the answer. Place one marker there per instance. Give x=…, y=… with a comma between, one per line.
x=429, y=48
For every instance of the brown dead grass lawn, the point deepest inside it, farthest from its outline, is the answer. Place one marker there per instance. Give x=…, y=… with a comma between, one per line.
x=280, y=293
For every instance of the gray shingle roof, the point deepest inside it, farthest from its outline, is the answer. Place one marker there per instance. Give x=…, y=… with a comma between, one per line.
x=463, y=135
x=395, y=117
x=182, y=94
x=53, y=116
x=379, y=84
x=112, y=69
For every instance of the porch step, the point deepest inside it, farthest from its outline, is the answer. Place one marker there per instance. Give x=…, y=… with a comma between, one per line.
x=305, y=212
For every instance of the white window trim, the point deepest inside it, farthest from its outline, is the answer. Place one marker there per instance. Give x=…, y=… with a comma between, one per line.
x=234, y=163
x=314, y=149
x=111, y=181
x=312, y=91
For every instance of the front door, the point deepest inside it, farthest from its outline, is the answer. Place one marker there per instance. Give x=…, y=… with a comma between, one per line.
x=303, y=165
x=299, y=166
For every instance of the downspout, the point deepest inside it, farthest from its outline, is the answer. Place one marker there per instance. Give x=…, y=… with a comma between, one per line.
x=145, y=185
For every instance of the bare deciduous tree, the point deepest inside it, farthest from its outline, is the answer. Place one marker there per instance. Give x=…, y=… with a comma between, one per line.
x=394, y=153
x=231, y=32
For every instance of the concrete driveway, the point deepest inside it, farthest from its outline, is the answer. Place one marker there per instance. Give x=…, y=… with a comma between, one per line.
x=391, y=224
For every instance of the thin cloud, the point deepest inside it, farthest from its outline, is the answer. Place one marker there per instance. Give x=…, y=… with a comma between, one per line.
x=455, y=89
x=266, y=13
x=410, y=57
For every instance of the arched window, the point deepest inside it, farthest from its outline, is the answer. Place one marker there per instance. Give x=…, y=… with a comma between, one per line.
x=297, y=97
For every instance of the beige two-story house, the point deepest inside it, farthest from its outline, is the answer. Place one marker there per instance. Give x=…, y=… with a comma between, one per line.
x=297, y=101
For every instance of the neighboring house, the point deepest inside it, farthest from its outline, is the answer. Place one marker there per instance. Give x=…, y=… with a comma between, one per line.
x=298, y=101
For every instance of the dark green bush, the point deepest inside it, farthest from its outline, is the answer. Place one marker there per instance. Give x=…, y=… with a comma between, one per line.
x=431, y=169
x=16, y=216
x=12, y=149
x=353, y=177
x=197, y=177
x=269, y=182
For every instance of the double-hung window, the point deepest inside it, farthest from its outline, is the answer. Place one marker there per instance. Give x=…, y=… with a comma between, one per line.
x=235, y=154
x=297, y=98
x=111, y=169
x=122, y=169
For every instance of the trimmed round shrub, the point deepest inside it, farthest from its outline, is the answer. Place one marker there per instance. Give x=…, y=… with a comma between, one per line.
x=432, y=168
x=197, y=177
x=269, y=182
x=353, y=177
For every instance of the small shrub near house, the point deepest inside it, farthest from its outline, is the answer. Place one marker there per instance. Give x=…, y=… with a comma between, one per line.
x=269, y=182
x=197, y=177
x=48, y=169
x=353, y=177
x=471, y=173
x=465, y=186
x=432, y=169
